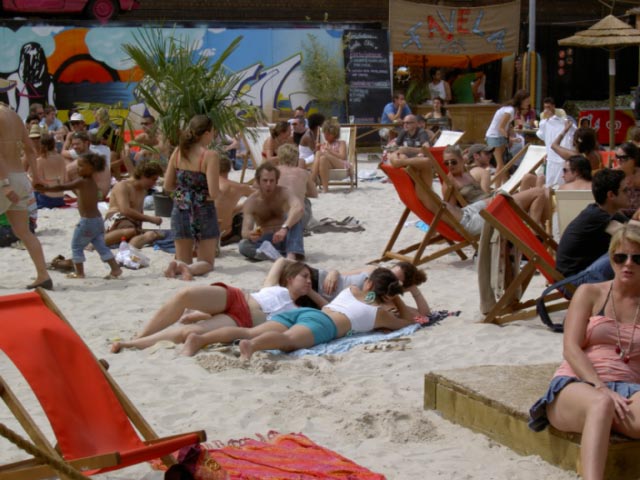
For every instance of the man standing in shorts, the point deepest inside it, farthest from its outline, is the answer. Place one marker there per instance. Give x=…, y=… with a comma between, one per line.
x=15, y=188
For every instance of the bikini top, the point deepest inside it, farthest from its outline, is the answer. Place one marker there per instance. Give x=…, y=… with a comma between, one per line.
x=273, y=300
x=361, y=315
x=192, y=189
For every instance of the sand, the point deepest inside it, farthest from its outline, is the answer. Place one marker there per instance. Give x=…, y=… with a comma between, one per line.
x=365, y=405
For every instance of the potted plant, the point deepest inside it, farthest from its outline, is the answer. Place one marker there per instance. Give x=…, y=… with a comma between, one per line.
x=323, y=76
x=179, y=83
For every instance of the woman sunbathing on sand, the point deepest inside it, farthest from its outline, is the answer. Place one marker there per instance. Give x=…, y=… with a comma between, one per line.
x=354, y=309
x=329, y=283
x=221, y=305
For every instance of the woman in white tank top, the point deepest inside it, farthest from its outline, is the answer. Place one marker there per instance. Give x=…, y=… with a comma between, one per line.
x=354, y=309
x=203, y=308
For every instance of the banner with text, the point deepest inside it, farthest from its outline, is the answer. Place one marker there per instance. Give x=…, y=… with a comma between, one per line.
x=424, y=29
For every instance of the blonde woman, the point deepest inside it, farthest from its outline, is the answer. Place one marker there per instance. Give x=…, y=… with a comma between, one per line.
x=331, y=154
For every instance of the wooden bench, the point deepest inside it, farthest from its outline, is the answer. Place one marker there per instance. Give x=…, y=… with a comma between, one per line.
x=495, y=401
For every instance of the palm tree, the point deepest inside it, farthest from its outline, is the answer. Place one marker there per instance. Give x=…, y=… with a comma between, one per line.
x=179, y=83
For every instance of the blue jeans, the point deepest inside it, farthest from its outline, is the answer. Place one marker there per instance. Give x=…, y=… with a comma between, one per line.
x=293, y=243
x=89, y=231
x=599, y=271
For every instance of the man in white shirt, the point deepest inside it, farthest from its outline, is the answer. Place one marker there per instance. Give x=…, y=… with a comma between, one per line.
x=552, y=123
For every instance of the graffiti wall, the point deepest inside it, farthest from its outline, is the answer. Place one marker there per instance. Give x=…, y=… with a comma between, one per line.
x=63, y=65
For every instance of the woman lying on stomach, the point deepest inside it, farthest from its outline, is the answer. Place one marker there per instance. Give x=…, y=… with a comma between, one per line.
x=354, y=309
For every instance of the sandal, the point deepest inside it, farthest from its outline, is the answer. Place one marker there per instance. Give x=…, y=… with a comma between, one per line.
x=75, y=275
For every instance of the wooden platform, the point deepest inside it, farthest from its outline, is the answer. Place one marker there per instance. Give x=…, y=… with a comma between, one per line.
x=495, y=401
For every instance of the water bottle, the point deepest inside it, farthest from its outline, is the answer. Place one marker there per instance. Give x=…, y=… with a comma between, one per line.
x=124, y=245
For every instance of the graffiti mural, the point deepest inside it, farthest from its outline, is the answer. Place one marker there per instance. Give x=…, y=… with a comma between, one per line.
x=62, y=65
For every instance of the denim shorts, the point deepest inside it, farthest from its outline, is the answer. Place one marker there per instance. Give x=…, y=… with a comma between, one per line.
x=538, y=420
x=494, y=142
x=196, y=223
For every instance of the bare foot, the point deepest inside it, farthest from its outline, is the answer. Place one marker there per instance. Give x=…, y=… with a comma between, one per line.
x=115, y=273
x=116, y=347
x=170, y=272
x=192, y=344
x=246, y=349
x=185, y=273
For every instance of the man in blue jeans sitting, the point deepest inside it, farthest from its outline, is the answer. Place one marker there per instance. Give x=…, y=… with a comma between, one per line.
x=272, y=214
x=585, y=242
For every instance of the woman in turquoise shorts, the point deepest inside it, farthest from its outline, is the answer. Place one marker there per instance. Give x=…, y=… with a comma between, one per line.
x=354, y=309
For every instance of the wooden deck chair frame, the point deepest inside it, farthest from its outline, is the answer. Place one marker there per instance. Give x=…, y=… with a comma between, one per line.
x=514, y=224
x=338, y=175
x=254, y=145
x=443, y=226
x=152, y=446
x=448, y=137
x=530, y=157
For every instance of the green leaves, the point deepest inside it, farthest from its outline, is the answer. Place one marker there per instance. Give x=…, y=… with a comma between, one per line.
x=323, y=75
x=179, y=83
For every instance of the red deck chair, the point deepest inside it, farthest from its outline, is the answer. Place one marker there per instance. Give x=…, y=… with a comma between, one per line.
x=443, y=225
x=92, y=419
x=516, y=226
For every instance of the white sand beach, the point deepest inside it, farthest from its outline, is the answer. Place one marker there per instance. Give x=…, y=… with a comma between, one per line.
x=368, y=406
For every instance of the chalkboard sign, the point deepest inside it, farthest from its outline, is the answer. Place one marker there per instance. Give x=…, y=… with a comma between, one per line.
x=366, y=57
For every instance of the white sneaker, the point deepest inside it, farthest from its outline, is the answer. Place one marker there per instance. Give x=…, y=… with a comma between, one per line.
x=269, y=250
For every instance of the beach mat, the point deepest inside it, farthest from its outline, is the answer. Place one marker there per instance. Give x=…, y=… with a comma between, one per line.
x=278, y=456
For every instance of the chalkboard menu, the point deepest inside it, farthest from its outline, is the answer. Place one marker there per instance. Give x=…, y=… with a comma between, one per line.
x=366, y=57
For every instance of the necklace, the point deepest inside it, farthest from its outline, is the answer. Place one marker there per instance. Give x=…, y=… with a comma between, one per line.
x=622, y=353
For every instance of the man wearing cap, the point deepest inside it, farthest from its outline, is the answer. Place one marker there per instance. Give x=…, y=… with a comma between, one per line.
x=480, y=156
x=77, y=125
x=15, y=187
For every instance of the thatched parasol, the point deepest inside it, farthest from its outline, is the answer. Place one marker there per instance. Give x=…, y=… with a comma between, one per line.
x=609, y=33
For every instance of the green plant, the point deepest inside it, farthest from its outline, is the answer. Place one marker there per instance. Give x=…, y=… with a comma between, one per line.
x=178, y=83
x=323, y=75
x=417, y=92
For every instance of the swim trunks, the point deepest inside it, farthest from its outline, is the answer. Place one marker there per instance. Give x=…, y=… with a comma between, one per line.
x=237, y=307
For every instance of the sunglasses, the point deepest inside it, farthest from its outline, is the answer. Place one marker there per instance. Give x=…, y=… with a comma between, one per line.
x=452, y=163
x=622, y=157
x=621, y=258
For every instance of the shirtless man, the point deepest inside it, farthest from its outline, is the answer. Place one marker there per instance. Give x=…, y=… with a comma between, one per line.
x=275, y=212
x=15, y=188
x=125, y=214
x=228, y=204
x=52, y=170
x=298, y=180
x=80, y=145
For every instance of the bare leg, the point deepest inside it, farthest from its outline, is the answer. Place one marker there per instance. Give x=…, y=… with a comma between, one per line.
x=535, y=202
x=184, y=250
x=146, y=238
x=195, y=342
x=296, y=337
x=115, y=236
x=19, y=221
x=206, y=259
x=498, y=153
x=581, y=408
x=206, y=298
x=175, y=333
x=326, y=163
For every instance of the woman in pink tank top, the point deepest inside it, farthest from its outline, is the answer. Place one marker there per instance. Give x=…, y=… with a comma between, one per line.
x=596, y=388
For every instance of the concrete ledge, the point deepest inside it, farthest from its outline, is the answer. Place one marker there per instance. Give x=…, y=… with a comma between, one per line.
x=495, y=401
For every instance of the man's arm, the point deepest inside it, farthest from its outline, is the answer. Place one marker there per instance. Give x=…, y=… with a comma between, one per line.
x=120, y=194
x=248, y=222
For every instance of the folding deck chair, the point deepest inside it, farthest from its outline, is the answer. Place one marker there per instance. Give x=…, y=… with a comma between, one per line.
x=254, y=138
x=91, y=417
x=448, y=137
x=530, y=157
x=517, y=227
x=443, y=226
x=337, y=176
x=569, y=203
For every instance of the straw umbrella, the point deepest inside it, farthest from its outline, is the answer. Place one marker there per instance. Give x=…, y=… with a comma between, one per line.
x=607, y=33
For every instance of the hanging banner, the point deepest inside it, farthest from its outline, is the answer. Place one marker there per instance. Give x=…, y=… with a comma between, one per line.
x=424, y=29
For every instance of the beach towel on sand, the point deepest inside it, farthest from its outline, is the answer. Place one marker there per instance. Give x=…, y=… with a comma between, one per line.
x=278, y=456
x=344, y=344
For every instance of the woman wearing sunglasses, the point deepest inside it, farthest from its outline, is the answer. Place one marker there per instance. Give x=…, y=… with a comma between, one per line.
x=628, y=158
x=595, y=389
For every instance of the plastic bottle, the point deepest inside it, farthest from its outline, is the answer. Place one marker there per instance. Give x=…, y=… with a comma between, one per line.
x=124, y=245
